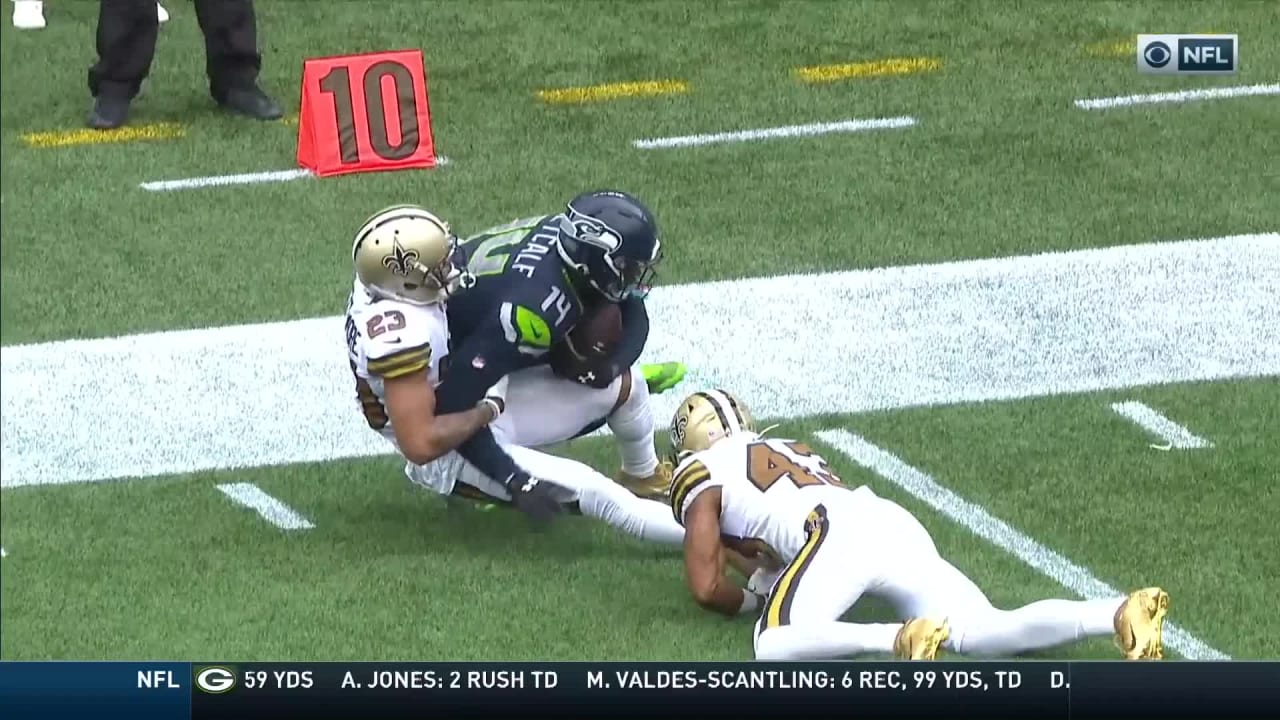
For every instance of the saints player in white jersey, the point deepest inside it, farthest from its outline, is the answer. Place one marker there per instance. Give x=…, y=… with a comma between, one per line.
x=817, y=546
x=398, y=346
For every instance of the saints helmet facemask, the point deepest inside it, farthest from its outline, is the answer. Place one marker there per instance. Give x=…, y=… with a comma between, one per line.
x=406, y=253
x=610, y=239
x=705, y=418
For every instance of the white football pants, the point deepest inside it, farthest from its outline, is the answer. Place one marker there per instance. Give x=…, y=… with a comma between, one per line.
x=866, y=545
x=541, y=410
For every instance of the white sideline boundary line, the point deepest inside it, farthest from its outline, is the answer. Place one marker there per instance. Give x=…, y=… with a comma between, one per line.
x=1151, y=420
x=271, y=509
x=787, y=131
x=1218, y=93
x=985, y=525
x=254, y=178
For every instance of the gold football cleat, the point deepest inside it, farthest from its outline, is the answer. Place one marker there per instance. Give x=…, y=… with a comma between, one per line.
x=653, y=487
x=920, y=638
x=1139, y=624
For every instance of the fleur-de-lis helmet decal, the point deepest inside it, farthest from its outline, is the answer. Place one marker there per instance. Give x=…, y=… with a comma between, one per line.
x=400, y=261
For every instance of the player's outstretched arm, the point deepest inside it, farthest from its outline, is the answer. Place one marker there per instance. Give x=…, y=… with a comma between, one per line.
x=704, y=560
x=422, y=435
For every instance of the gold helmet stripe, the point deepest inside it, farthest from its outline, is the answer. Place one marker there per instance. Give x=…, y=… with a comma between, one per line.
x=689, y=477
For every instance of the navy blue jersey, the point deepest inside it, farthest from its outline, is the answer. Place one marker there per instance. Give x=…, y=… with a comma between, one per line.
x=523, y=292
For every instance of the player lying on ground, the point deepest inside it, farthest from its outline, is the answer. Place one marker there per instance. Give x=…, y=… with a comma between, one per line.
x=398, y=345
x=822, y=545
x=537, y=281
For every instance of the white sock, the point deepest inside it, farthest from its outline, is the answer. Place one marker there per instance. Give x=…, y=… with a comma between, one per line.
x=1043, y=624
x=646, y=519
x=825, y=640
x=632, y=425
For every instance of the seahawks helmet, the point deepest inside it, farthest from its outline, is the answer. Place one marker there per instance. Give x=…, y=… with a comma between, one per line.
x=610, y=239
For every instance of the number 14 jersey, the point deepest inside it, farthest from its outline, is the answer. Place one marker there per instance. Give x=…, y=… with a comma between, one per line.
x=387, y=339
x=767, y=489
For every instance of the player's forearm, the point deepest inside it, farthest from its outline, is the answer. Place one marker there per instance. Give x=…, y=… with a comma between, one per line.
x=450, y=430
x=727, y=598
x=635, y=332
x=483, y=451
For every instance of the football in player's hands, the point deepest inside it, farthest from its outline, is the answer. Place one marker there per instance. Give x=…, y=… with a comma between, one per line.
x=590, y=343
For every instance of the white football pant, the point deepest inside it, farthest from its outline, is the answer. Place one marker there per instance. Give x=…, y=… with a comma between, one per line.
x=541, y=410
x=866, y=545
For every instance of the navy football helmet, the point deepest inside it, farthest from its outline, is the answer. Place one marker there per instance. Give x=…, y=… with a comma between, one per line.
x=611, y=240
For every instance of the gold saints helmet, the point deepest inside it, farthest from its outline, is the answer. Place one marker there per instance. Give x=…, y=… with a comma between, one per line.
x=406, y=253
x=704, y=418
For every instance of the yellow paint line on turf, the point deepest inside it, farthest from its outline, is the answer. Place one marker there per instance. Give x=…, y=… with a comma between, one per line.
x=613, y=91
x=1122, y=48
x=89, y=136
x=873, y=68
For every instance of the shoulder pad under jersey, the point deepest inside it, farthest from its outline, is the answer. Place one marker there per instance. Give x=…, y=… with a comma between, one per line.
x=690, y=475
x=396, y=337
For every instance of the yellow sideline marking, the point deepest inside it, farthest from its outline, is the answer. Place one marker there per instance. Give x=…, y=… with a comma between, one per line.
x=613, y=91
x=1113, y=48
x=873, y=68
x=1125, y=48
x=89, y=136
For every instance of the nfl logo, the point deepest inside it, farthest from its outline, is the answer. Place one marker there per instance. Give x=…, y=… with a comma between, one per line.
x=478, y=363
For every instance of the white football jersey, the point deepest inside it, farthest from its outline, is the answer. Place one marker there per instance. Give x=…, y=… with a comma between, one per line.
x=387, y=339
x=768, y=486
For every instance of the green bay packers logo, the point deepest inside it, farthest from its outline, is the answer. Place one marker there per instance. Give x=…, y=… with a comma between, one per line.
x=400, y=261
x=215, y=680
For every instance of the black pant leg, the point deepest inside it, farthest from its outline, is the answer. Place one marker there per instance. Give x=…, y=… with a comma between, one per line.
x=127, y=31
x=231, y=43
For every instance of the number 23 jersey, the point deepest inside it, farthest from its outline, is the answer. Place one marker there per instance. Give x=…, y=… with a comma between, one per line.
x=767, y=489
x=388, y=339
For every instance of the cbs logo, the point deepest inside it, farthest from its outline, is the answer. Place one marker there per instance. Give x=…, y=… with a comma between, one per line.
x=1157, y=54
x=215, y=680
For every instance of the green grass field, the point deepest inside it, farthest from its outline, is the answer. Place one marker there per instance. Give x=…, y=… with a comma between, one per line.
x=995, y=380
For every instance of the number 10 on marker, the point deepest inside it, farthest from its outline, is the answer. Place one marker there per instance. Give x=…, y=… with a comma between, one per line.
x=363, y=113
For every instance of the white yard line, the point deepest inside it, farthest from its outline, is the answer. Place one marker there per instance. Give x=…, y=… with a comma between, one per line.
x=273, y=176
x=796, y=345
x=1173, y=434
x=789, y=131
x=271, y=509
x=975, y=518
x=1181, y=96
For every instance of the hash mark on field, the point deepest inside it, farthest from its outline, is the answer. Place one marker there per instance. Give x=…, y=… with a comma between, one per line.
x=873, y=68
x=271, y=509
x=270, y=176
x=612, y=91
x=1217, y=93
x=87, y=136
x=985, y=525
x=1175, y=435
x=788, y=131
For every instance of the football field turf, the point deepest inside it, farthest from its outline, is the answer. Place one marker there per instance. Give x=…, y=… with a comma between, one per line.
x=1051, y=331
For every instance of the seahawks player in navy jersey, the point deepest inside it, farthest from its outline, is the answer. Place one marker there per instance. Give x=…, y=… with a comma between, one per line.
x=535, y=279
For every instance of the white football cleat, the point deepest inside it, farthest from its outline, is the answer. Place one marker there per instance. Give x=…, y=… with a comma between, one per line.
x=161, y=14
x=28, y=14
